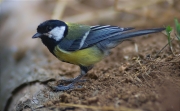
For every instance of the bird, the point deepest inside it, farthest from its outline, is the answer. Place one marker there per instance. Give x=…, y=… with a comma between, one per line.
x=83, y=45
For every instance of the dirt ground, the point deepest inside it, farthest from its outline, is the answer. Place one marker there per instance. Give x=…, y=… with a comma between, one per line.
x=125, y=81
x=135, y=77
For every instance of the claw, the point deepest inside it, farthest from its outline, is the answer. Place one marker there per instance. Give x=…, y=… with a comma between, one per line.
x=71, y=82
x=64, y=81
x=63, y=88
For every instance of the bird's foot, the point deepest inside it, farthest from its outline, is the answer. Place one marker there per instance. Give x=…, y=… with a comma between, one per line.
x=65, y=81
x=65, y=88
x=70, y=82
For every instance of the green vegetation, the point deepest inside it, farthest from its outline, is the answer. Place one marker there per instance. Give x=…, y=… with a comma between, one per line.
x=177, y=25
x=177, y=34
x=168, y=32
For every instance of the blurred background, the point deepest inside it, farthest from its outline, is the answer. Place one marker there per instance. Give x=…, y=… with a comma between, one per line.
x=21, y=56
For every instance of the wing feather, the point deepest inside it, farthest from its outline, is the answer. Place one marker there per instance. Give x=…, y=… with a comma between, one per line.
x=96, y=34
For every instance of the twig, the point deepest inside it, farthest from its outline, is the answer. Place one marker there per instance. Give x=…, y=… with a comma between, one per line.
x=99, y=108
x=107, y=13
x=59, y=9
x=131, y=5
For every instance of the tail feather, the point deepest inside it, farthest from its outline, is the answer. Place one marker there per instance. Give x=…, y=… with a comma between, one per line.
x=128, y=35
x=118, y=38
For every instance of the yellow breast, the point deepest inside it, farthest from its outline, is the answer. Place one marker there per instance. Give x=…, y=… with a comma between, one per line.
x=84, y=57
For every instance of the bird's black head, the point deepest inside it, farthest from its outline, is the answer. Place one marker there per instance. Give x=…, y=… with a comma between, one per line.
x=54, y=29
x=51, y=32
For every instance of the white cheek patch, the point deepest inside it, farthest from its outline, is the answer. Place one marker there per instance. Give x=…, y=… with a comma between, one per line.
x=57, y=33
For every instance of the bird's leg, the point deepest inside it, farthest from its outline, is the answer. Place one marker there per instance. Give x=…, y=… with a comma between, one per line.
x=84, y=71
x=73, y=79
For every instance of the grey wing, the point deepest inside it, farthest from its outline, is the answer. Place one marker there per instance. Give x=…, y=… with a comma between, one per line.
x=107, y=37
x=97, y=35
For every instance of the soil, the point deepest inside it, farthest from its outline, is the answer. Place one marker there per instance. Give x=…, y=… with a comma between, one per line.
x=138, y=75
x=126, y=80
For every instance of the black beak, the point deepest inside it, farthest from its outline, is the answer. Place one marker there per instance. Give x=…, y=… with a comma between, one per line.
x=37, y=35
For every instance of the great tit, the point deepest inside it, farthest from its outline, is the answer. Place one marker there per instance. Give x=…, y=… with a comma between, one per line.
x=83, y=45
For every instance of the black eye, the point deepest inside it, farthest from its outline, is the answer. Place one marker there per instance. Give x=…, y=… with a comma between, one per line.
x=48, y=28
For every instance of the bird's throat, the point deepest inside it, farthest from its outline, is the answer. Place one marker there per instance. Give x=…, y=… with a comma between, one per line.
x=49, y=43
